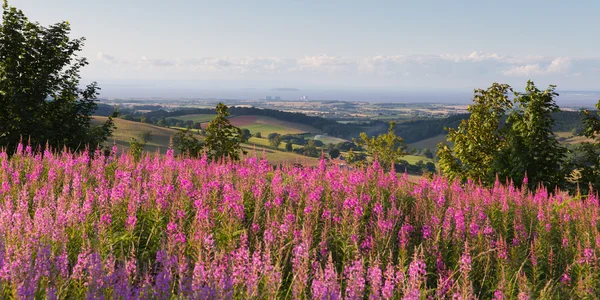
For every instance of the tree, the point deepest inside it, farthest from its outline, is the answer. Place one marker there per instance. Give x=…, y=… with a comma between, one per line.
x=187, y=143
x=289, y=147
x=275, y=141
x=525, y=144
x=258, y=135
x=40, y=98
x=310, y=149
x=246, y=133
x=531, y=147
x=477, y=140
x=387, y=148
x=334, y=153
x=427, y=153
x=587, y=164
x=223, y=139
x=273, y=135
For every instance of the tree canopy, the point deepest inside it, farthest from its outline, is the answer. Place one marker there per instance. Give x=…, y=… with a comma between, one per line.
x=387, y=148
x=223, y=140
x=40, y=95
x=489, y=143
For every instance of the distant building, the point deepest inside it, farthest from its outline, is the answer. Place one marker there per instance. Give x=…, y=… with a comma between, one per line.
x=277, y=98
x=269, y=98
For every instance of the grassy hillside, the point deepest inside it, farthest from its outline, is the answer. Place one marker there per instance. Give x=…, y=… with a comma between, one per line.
x=430, y=143
x=329, y=139
x=126, y=130
x=266, y=125
x=200, y=118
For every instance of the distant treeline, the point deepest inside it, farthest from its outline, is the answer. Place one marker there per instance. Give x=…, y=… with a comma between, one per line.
x=411, y=131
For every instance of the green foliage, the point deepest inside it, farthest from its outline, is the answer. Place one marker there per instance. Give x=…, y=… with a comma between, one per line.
x=310, y=149
x=531, y=146
x=187, y=143
x=40, y=98
x=275, y=140
x=223, y=139
x=246, y=133
x=334, y=153
x=289, y=147
x=587, y=165
x=525, y=144
x=258, y=135
x=387, y=148
x=478, y=139
x=427, y=153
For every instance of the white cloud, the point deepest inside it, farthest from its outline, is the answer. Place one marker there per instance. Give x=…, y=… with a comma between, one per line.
x=559, y=65
x=470, y=68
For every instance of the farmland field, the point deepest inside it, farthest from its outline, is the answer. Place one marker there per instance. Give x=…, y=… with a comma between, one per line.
x=329, y=139
x=430, y=143
x=413, y=159
x=168, y=227
x=197, y=118
x=267, y=125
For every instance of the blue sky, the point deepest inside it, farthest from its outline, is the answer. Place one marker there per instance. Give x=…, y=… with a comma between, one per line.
x=329, y=43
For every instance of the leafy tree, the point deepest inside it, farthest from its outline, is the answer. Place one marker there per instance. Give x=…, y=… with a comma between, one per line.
x=587, y=164
x=289, y=147
x=246, y=133
x=187, y=143
x=40, y=98
x=161, y=123
x=310, y=149
x=356, y=158
x=387, y=148
x=477, y=140
x=275, y=141
x=334, y=153
x=272, y=135
x=258, y=135
x=223, y=139
x=531, y=146
x=427, y=153
x=525, y=144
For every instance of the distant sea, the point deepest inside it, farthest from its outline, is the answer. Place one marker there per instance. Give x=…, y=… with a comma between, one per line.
x=566, y=98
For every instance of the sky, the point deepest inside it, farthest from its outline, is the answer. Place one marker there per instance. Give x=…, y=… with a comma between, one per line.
x=330, y=44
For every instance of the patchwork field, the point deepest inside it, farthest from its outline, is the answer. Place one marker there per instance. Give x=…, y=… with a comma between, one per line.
x=267, y=125
x=568, y=138
x=200, y=118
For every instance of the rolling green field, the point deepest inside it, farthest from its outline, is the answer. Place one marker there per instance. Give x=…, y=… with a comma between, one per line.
x=126, y=130
x=430, y=143
x=264, y=125
x=413, y=159
x=200, y=118
x=267, y=125
x=265, y=142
